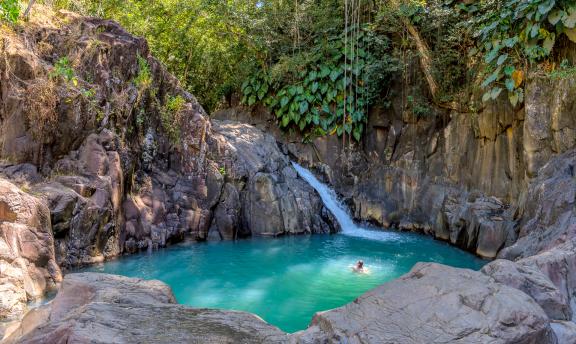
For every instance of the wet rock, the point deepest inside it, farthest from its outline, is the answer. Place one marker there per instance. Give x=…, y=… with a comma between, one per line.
x=27, y=261
x=434, y=303
x=99, y=308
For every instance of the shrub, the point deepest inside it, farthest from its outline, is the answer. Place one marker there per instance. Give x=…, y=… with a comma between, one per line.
x=144, y=78
x=62, y=69
x=515, y=34
x=9, y=10
x=170, y=117
x=328, y=90
x=41, y=108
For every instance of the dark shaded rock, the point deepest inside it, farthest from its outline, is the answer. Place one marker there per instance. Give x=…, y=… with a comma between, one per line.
x=227, y=215
x=21, y=174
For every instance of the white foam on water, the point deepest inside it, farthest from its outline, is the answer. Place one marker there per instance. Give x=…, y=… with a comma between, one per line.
x=340, y=212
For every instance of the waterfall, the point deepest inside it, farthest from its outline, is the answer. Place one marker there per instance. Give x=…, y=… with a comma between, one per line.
x=340, y=211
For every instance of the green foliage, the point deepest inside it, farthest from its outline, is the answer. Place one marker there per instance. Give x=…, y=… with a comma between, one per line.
x=63, y=69
x=514, y=34
x=564, y=71
x=141, y=118
x=328, y=90
x=170, y=117
x=419, y=107
x=9, y=10
x=88, y=93
x=210, y=46
x=143, y=79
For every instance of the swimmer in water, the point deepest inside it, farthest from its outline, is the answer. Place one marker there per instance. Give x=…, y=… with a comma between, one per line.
x=359, y=268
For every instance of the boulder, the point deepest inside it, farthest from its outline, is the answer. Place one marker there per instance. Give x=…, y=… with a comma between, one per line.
x=272, y=198
x=559, y=265
x=434, y=304
x=478, y=224
x=100, y=308
x=28, y=266
x=534, y=283
x=565, y=331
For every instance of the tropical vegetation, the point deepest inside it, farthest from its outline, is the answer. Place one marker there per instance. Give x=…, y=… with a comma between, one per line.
x=320, y=66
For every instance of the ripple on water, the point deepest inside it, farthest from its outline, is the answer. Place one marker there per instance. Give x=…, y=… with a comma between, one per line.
x=284, y=280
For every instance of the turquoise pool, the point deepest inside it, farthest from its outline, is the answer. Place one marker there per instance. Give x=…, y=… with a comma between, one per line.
x=285, y=280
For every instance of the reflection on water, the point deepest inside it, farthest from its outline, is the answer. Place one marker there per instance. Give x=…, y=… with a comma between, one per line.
x=284, y=280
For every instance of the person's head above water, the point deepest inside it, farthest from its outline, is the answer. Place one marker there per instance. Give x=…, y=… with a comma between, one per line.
x=359, y=264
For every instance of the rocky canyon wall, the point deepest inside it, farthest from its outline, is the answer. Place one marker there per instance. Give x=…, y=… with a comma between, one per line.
x=102, y=153
x=463, y=177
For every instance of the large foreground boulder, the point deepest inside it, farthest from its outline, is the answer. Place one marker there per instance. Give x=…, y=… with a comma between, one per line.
x=559, y=265
x=534, y=283
x=431, y=304
x=27, y=264
x=100, y=308
x=435, y=304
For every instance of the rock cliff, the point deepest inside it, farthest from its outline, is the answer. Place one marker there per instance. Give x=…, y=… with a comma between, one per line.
x=467, y=178
x=115, y=158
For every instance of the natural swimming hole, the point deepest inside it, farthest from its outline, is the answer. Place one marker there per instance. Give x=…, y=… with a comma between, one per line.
x=284, y=280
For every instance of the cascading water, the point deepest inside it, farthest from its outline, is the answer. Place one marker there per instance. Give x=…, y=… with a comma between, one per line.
x=340, y=212
x=286, y=280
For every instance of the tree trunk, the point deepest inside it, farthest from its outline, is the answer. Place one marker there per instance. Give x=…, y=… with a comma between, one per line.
x=425, y=59
x=28, y=9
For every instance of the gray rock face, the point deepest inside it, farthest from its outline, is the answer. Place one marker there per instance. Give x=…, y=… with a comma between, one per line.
x=434, y=304
x=27, y=262
x=547, y=209
x=559, y=265
x=272, y=198
x=481, y=225
x=534, y=283
x=99, y=308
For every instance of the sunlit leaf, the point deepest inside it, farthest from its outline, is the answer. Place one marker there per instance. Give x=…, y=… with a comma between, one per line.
x=518, y=77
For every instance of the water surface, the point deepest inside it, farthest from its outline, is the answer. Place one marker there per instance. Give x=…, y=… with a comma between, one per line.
x=284, y=280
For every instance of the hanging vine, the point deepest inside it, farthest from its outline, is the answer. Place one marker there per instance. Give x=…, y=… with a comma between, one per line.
x=331, y=92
